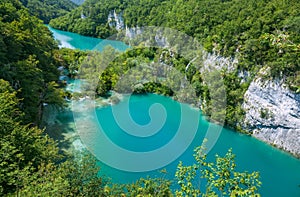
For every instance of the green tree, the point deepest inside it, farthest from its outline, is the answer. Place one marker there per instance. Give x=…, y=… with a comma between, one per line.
x=48, y=9
x=77, y=176
x=221, y=177
x=28, y=64
x=23, y=148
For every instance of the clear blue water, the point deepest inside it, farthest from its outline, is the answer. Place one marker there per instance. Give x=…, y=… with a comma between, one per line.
x=76, y=41
x=280, y=172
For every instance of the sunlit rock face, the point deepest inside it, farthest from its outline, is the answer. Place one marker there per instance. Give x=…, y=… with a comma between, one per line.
x=219, y=62
x=116, y=20
x=273, y=114
x=133, y=31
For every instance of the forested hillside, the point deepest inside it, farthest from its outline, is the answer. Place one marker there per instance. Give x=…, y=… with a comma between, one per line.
x=48, y=9
x=257, y=33
x=27, y=61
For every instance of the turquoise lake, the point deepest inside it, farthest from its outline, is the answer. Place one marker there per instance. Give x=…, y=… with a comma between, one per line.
x=280, y=172
x=76, y=41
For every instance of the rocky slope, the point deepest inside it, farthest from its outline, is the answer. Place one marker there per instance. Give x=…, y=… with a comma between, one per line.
x=273, y=114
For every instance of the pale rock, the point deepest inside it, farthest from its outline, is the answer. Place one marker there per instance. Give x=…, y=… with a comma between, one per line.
x=273, y=114
x=133, y=32
x=116, y=20
x=218, y=62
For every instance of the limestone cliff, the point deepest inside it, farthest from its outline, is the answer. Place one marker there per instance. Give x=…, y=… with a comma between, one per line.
x=273, y=114
x=116, y=20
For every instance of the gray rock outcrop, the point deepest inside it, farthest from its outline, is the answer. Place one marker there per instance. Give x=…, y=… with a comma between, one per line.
x=116, y=20
x=273, y=114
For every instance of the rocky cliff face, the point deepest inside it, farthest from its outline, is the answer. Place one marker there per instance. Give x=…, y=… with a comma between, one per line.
x=116, y=20
x=133, y=32
x=273, y=114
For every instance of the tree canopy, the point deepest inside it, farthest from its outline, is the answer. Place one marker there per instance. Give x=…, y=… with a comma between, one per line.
x=48, y=9
x=27, y=59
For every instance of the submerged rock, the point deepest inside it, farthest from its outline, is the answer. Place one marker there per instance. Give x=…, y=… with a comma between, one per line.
x=273, y=114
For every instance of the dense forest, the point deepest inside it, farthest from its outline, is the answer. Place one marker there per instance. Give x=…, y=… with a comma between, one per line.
x=27, y=60
x=32, y=163
x=259, y=34
x=48, y=9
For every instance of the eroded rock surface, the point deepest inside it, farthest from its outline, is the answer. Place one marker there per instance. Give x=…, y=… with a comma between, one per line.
x=273, y=114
